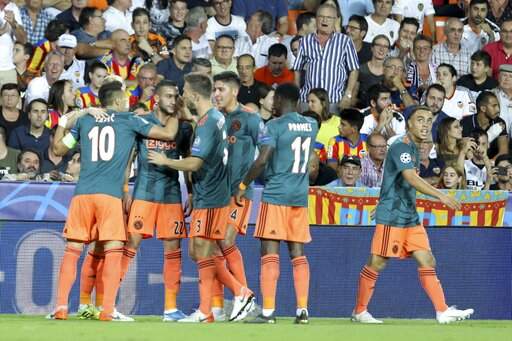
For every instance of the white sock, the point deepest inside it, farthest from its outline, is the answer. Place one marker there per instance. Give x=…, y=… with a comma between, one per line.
x=217, y=310
x=299, y=311
x=267, y=312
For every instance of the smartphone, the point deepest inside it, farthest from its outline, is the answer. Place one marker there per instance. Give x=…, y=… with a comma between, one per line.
x=502, y=171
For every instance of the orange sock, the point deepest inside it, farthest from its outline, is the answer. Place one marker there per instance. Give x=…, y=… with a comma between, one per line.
x=128, y=255
x=111, y=275
x=301, y=280
x=206, y=269
x=99, y=281
x=226, y=277
x=268, y=280
x=88, y=277
x=235, y=263
x=217, y=294
x=172, y=277
x=367, y=279
x=433, y=288
x=67, y=275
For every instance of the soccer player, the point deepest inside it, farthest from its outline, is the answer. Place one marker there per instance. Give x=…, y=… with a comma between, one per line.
x=286, y=147
x=96, y=212
x=87, y=96
x=243, y=128
x=399, y=233
x=208, y=162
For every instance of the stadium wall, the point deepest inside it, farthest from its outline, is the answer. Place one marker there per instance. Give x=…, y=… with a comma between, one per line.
x=474, y=265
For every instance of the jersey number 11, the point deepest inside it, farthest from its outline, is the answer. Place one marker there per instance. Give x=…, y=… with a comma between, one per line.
x=298, y=146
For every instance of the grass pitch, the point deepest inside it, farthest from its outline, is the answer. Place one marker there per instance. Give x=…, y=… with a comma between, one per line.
x=24, y=328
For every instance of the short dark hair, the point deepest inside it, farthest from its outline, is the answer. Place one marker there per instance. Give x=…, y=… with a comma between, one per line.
x=55, y=29
x=247, y=55
x=28, y=48
x=200, y=84
x=417, y=108
x=381, y=36
x=353, y=117
x=304, y=19
x=422, y=37
x=85, y=16
x=375, y=90
x=201, y=62
x=503, y=157
x=482, y=56
x=34, y=101
x=139, y=12
x=97, y=65
x=477, y=133
x=277, y=50
x=108, y=92
x=263, y=90
x=179, y=39
x=450, y=67
x=227, y=77
x=437, y=87
x=28, y=150
x=227, y=36
x=294, y=39
x=478, y=2
x=483, y=99
x=10, y=86
x=165, y=83
x=288, y=92
x=363, y=24
x=267, y=22
x=409, y=21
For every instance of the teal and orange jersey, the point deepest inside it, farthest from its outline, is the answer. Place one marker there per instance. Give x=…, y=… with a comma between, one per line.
x=105, y=149
x=127, y=71
x=397, y=201
x=244, y=126
x=210, y=183
x=339, y=146
x=292, y=138
x=36, y=62
x=321, y=151
x=86, y=98
x=134, y=93
x=157, y=183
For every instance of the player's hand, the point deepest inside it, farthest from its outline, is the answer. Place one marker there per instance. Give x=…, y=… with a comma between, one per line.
x=147, y=93
x=450, y=202
x=239, y=197
x=187, y=209
x=157, y=158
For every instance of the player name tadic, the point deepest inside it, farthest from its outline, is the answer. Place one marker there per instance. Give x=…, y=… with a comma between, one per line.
x=300, y=127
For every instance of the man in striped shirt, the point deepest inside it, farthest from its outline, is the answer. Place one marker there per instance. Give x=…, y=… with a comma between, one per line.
x=328, y=59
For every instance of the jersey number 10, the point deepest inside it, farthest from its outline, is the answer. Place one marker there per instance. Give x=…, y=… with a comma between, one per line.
x=298, y=146
x=103, y=143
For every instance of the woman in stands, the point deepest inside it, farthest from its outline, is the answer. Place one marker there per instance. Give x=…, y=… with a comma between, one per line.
x=61, y=100
x=452, y=177
x=450, y=145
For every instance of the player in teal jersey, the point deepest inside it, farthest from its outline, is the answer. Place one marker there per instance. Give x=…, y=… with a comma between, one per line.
x=286, y=151
x=208, y=160
x=95, y=213
x=399, y=233
x=243, y=128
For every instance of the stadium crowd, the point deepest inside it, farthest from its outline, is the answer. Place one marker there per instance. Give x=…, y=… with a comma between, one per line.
x=361, y=66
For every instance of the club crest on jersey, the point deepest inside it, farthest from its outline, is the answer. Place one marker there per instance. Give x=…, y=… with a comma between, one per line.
x=405, y=158
x=235, y=126
x=197, y=141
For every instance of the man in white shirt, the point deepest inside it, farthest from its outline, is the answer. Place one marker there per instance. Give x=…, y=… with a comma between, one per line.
x=39, y=87
x=196, y=26
x=418, y=9
x=224, y=23
x=379, y=23
x=74, y=69
x=118, y=16
x=11, y=30
x=478, y=30
x=260, y=36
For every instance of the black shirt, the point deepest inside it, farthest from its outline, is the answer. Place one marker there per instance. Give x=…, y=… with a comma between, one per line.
x=250, y=94
x=470, y=123
x=469, y=82
x=169, y=70
x=68, y=18
x=10, y=126
x=434, y=168
x=365, y=54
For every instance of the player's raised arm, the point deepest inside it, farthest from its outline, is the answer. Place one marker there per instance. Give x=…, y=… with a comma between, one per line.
x=166, y=133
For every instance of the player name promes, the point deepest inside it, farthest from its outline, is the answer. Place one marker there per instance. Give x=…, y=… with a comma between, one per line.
x=300, y=127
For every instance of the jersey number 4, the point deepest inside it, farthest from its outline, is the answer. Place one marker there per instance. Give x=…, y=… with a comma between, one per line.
x=103, y=143
x=299, y=146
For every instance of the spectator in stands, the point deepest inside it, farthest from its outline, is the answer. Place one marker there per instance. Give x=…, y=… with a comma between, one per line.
x=248, y=92
x=197, y=23
x=372, y=73
x=144, y=90
x=499, y=11
x=380, y=23
x=452, y=177
x=118, y=16
x=318, y=102
x=452, y=52
x=10, y=114
x=175, y=25
x=74, y=69
x=487, y=118
x=504, y=94
x=92, y=37
x=450, y=147
x=275, y=72
x=478, y=30
x=72, y=172
x=148, y=46
x=71, y=16
x=478, y=80
x=338, y=20
x=225, y=23
x=259, y=37
x=179, y=64
x=381, y=117
x=421, y=72
x=306, y=24
x=8, y=156
x=349, y=172
x=39, y=87
x=394, y=79
x=434, y=100
x=35, y=135
x=348, y=141
x=11, y=30
x=417, y=9
x=351, y=8
x=403, y=46
x=51, y=164
x=27, y=166
x=356, y=29
x=60, y=101
x=501, y=173
x=430, y=168
x=119, y=60
x=278, y=10
x=329, y=60
x=501, y=50
x=34, y=19
x=53, y=31
x=458, y=102
x=20, y=58
x=223, y=51
x=266, y=94
x=202, y=65
x=477, y=166
x=372, y=164
x=87, y=96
